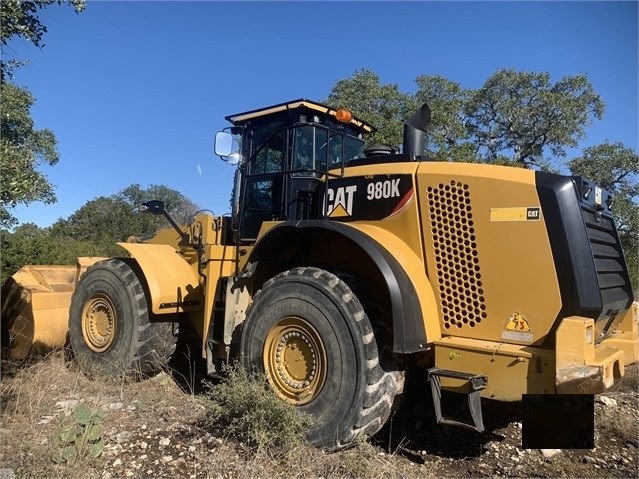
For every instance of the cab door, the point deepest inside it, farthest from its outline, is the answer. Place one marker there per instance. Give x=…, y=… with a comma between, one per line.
x=264, y=182
x=263, y=200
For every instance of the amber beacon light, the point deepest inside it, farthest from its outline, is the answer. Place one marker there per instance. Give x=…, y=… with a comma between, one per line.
x=343, y=116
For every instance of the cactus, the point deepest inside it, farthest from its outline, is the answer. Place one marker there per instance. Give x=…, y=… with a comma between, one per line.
x=79, y=434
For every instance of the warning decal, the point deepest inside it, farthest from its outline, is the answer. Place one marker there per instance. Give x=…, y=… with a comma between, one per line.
x=517, y=322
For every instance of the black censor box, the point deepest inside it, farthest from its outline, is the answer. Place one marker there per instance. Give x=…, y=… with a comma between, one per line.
x=558, y=421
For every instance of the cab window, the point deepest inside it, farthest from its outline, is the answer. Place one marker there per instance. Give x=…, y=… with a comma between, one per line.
x=269, y=149
x=309, y=151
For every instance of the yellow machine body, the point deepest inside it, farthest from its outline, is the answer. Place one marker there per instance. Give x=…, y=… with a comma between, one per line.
x=35, y=307
x=461, y=258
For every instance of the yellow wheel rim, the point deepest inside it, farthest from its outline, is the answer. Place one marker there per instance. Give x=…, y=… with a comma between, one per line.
x=295, y=360
x=99, y=323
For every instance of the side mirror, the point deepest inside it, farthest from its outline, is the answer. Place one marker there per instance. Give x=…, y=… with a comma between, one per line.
x=227, y=148
x=155, y=207
x=223, y=144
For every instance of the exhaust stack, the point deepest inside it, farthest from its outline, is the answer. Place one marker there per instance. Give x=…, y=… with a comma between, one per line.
x=414, y=142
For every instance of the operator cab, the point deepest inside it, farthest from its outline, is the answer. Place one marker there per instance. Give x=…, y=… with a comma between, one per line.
x=286, y=153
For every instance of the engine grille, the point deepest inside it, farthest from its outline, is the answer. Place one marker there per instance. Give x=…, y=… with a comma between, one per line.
x=608, y=258
x=458, y=270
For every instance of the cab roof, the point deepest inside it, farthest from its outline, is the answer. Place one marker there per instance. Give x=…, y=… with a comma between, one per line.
x=241, y=118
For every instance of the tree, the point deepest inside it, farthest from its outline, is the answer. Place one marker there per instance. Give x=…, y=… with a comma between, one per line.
x=24, y=149
x=20, y=20
x=447, y=138
x=103, y=220
x=29, y=244
x=93, y=230
x=108, y=220
x=515, y=118
x=616, y=168
x=181, y=209
x=522, y=114
x=20, y=247
x=384, y=106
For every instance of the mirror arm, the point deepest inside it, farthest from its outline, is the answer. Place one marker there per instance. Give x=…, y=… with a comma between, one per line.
x=156, y=207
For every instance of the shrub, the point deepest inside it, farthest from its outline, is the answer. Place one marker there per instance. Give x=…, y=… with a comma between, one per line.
x=247, y=408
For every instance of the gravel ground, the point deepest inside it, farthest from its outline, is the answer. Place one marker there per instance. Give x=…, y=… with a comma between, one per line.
x=155, y=429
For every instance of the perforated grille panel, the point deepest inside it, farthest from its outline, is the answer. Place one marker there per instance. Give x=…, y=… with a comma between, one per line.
x=458, y=272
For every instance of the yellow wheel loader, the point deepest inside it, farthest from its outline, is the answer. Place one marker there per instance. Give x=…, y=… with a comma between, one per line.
x=341, y=267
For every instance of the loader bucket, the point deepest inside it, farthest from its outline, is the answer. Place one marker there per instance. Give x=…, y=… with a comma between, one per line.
x=35, y=307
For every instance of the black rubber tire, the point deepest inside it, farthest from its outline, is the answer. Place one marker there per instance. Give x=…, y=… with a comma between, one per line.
x=358, y=395
x=136, y=347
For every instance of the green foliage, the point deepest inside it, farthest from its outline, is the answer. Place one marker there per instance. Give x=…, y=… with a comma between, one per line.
x=103, y=220
x=515, y=117
x=29, y=244
x=247, y=408
x=181, y=209
x=20, y=19
x=18, y=247
x=616, y=168
x=78, y=435
x=523, y=113
x=384, y=106
x=107, y=220
x=93, y=230
x=24, y=148
x=447, y=138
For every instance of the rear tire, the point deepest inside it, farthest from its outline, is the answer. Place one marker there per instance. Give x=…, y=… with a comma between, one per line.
x=110, y=331
x=309, y=334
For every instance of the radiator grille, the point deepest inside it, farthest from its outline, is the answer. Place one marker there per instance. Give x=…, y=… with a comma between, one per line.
x=455, y=247
x=609, y=261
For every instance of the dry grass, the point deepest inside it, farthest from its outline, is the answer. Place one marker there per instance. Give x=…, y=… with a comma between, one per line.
x=139, y=417
x=30, y=416
x=155, y=428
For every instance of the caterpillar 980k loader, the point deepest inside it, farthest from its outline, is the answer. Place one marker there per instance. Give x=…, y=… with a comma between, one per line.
x=340, y=267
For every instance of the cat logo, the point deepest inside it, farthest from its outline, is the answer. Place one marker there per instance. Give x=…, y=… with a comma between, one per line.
x=339, y=201
x=532, y=213
x=517, y=213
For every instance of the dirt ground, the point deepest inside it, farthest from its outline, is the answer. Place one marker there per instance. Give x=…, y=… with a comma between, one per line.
x=154, y=428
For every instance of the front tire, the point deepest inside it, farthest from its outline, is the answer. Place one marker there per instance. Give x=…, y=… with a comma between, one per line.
x=110, y=331
x=309, y=334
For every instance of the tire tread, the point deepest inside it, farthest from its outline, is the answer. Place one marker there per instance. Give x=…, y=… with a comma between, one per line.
x=154, y=341
x=376, y=401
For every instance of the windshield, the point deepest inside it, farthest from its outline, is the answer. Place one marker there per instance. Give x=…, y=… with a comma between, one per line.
x=317, y=148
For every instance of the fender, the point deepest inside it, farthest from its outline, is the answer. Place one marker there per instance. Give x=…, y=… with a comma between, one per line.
x=414, y=310
x=172, y=283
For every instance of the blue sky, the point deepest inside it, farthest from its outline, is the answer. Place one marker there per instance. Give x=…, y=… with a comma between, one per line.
x=135, y=91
